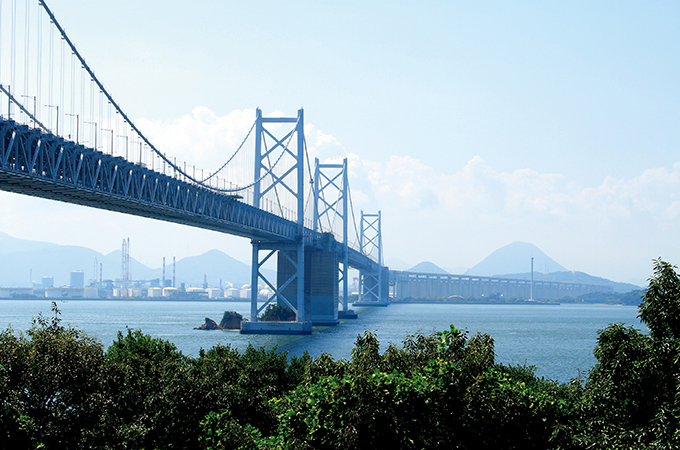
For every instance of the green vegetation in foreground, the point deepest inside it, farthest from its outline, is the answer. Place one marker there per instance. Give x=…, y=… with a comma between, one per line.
x=59, y=388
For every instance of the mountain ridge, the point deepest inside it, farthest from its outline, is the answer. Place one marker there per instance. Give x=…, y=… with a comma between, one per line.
x=516, y=258
x=39, y=259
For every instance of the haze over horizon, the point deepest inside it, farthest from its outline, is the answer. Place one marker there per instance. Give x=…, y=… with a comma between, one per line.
x=469, y=126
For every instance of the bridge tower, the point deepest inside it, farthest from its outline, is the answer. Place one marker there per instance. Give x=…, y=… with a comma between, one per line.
x=373, y=285
x=289, y=289
x=331, y=200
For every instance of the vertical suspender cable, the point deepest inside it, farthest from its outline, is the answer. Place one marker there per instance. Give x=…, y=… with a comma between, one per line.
x=50, y=79
x=26, y=48
x=12, y=59
x=72, y=87
x=91, y=108
x=62, y=70
x=38, y=66
x=1, y=29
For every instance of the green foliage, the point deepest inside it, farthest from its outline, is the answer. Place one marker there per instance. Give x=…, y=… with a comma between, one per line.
x=219, y=431
x=231, y=320
x=408, y=397
x=631, y=396
x=59, y=389
x=660, y=309
x=511, y=408
x=278, y=313
x=50, y=390
x=151, y=399
x=633, y=298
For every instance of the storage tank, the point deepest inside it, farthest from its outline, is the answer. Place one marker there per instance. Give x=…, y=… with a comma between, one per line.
x=215, y=293
x=170, y=291
x=245, y=291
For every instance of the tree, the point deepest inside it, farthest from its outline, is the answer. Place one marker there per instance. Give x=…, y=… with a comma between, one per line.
x=151, y=400
x=660, y=308
x=630, y=396
x=50, y=386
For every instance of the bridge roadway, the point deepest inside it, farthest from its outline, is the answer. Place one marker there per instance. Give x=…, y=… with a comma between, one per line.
x=43, y=165
x=427, y=285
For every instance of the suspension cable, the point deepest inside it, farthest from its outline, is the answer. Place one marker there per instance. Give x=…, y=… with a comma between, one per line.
x=234, y=155
x=119, y=110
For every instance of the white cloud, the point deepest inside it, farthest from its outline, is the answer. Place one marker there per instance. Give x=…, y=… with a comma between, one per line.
x=457, y=217
x=201, y=138
x=451, y=217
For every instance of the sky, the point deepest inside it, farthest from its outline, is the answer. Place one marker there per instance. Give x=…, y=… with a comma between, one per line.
x=468, y=125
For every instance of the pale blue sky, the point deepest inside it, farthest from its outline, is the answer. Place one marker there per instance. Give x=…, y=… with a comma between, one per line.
x=546, y=85
x=522, y=110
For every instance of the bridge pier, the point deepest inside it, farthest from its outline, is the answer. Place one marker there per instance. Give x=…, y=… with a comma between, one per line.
x=312, y=293
x=375, y=288
x=287, y=291
x=321, y=284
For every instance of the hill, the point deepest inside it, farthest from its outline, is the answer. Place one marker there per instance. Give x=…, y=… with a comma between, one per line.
x=576, y=277
x=516, y=258
x=427, y=267
x=22, y=260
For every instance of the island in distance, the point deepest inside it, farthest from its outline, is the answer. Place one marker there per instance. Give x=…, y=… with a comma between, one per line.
x=22, y=259
x=514, y=261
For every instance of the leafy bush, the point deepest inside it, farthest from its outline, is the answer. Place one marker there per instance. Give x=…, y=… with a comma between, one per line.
x=50, y=386
x=278, y=313
x=59, y=389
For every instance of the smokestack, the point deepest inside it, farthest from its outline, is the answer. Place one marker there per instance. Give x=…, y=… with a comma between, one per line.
x=173, y=271
x=163, y=282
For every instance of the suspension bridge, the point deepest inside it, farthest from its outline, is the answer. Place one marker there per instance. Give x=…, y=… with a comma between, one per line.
x=64, y=137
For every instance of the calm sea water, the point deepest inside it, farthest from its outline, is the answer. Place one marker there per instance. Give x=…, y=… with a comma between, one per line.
x=559, y=340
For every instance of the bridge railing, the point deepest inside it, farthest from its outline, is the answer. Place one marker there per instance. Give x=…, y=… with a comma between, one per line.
x=47, y=85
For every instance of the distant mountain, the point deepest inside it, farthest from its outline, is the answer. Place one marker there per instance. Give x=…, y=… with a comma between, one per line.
x=18, y=267
x=516, y=258
x=514, y=261
x=396, y=264
x=217, y=266
x=427, y=267
x=21, y=260
x=576, y=277
x=8, y=244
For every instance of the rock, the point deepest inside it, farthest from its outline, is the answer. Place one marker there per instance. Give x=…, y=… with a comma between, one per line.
x=208, y=325
x=231, y=321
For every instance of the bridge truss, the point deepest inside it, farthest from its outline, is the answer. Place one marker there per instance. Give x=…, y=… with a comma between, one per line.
x=63, y=137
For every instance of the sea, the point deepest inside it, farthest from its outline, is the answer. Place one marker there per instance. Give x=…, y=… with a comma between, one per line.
x=557, y=339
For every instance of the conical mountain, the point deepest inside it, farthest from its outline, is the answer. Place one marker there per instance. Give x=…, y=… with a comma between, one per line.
x=427, y=267
x=516, y=258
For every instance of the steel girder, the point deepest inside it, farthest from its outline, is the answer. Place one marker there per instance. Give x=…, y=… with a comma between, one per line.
x=42, y=165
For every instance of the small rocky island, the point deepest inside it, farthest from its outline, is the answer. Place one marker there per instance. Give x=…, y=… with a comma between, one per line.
x=231, y=320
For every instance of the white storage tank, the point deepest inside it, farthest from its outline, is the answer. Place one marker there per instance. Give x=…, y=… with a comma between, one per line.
x=215, y=293
x=232, y=293
x=169, y=291
x=245, y=292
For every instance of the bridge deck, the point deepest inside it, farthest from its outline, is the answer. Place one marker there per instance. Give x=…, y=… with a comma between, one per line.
x=42, y=165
